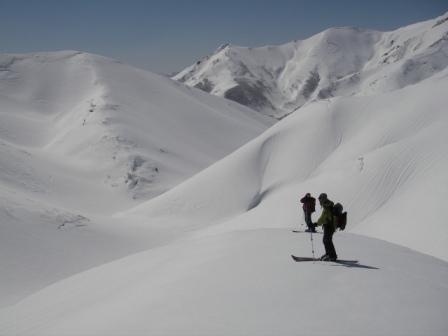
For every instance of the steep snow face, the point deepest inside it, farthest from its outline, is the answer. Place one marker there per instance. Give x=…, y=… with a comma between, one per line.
x=276, y=80
x=83, y=136
x=383, y=157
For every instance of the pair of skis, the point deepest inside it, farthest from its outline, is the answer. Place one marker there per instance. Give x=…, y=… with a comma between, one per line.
x=301, y=259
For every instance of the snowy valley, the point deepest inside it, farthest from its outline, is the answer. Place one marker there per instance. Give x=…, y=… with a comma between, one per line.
x=132, y=204
x=83, y=137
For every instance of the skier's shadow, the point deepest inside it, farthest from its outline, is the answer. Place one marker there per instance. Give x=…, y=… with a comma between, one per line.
x=352, y=264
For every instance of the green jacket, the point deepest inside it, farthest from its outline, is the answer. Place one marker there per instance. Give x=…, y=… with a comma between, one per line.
x=326, y=218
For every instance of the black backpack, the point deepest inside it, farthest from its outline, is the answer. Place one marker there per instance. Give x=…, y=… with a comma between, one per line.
x=339, y=217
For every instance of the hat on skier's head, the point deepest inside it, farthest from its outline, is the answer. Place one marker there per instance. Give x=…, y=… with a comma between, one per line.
x=322, y=196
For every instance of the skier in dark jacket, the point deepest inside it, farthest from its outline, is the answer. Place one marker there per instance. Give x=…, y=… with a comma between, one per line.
x=309, y=206
x=327, y=222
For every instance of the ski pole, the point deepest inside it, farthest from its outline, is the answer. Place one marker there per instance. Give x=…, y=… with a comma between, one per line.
x=312, y=245
x=303, y=219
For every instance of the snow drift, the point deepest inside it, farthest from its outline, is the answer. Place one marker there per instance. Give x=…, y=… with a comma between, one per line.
x=382, y=156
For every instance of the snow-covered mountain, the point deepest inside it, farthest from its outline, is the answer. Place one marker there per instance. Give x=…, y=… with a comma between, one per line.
x=214, y=251
x=83, y=136
x=277, y=80
x=383, y=156
x=138, y=130
x=229, y=272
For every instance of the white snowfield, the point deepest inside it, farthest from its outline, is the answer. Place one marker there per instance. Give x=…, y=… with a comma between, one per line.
x=277, y=80
x=83, y=136
x=214, y=251
x=244, y=283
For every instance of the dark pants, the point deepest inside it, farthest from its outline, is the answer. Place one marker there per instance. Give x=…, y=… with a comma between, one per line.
x=308, y=221
x=328, y=242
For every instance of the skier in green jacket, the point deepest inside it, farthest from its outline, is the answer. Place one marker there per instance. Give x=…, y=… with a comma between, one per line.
x=326, y=220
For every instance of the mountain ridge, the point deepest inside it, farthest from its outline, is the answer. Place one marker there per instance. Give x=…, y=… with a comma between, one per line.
x=212, y=255
x=276, y=80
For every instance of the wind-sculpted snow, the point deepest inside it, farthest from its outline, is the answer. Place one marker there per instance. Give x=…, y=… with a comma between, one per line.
x=381, y=156
x=86, y=250
x=104, y=114
x=336, y=62
x=83, y=136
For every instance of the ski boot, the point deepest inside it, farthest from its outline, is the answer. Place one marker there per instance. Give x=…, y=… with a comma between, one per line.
x=333, y=258
x=325, y=257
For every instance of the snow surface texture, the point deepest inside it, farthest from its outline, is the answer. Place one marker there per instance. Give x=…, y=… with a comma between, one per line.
x=83, y=136
x=277, y=80
x=215, y=250
x=384, y=157
x=244, y=283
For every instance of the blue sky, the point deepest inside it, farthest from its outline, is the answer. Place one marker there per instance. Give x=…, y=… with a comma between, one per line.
x=167, y=35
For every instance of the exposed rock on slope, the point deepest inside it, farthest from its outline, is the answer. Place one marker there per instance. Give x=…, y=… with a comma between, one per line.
x=276, y=80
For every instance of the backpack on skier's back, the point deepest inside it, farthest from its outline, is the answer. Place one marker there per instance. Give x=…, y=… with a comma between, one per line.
x=339, y=217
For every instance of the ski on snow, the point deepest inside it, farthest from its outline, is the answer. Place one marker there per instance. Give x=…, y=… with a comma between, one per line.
x=299, y=259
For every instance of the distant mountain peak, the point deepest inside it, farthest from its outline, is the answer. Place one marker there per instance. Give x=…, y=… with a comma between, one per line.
x=340, y=61
x=222, y=47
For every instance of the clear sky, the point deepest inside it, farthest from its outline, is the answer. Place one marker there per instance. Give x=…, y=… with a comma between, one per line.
x=167, y=35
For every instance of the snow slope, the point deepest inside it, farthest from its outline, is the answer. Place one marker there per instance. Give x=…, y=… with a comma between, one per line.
x=277, y=80
x=140, y=130
x=83, y=136
x=230, y=272
x=244, y=283
x=384, y=157
x=214, y=251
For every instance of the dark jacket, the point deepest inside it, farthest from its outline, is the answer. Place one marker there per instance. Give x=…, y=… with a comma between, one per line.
x=309, y=204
